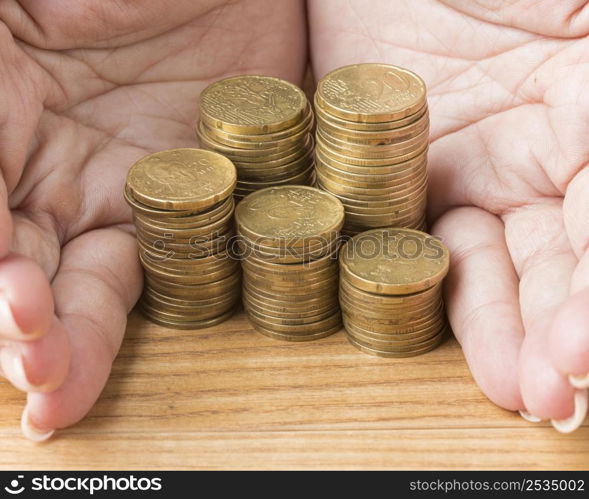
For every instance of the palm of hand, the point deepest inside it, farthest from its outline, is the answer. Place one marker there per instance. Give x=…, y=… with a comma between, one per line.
x=508, y=175
x=83, y=101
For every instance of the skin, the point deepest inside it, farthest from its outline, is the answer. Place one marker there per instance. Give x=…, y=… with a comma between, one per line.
x=85, y=93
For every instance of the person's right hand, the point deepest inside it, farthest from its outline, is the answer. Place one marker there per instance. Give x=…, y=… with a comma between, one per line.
x=87, y=87
x=509, y=174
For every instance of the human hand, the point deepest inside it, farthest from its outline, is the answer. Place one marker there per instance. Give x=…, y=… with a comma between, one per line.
x=509, y=180
x=87, y=88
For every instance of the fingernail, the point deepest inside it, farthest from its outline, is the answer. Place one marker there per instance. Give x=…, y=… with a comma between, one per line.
x=30, y=431
x=579, y=381
x=8, y=326
x=529, y=417
x=13, y=369
x=570, y=424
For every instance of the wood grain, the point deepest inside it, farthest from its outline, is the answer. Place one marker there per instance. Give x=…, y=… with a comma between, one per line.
x=227, y=397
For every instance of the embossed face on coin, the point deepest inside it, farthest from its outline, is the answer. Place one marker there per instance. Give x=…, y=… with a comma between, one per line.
x=181, y=179
x=252, y=104
x=289, y=212
x=371, y=93
x=394, y=261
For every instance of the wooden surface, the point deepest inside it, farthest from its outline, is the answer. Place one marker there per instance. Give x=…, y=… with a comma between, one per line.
x=229, y=398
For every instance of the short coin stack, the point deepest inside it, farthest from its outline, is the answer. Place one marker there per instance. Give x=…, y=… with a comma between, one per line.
x=289, y=238
x=372, y=142
x=183, y=213
x=390, y=291
x=263, y=125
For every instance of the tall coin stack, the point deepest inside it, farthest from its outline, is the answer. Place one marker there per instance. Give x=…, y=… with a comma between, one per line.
x=263, y=125
x=183, y=213
x=289, y=239
x=372, y=142
x=390, y=291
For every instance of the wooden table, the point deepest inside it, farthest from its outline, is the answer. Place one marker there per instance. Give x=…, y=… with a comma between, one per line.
x=227, y=397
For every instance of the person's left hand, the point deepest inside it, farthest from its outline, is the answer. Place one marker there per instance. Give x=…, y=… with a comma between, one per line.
x=86, y=88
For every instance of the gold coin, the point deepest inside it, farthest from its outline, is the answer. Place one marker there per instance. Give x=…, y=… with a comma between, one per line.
x=188, y=278
x=378, y=175
x=193, y=221
x=371, y=93
x=297, y=154
x=343, y=157
x=298, y=277
x=394, y=261
x=306, y=124
x=394, y=355
x=368, y=127
x=285, y=310
x=414, y=164
x=261, y=172
x=194, y=291
x=316, y=264
x=368, y=312
x=143, y=209
x=297, y=178
x=304, y=307
x=382, y=152
x=293, y=213
x=281, y=320
x=187, y=309
x=187, y=324
x=182, y=179
x=374, y=138
x=386, y=203
x=249, y=149
x=371, y=335
x=303, y=329
x=395, y=346
x=297, y=337
x=427, y=324
x=211, y=299
x=389, y=301
x=199, y=314
x=238, y=142
x=379, y=183
x=251, y=104
x=409, y=335
x=316, y=298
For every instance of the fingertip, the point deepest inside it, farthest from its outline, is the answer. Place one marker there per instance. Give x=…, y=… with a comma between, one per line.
x=26, y=300
x=546, y=393
x=31, y=430
x=569, y=336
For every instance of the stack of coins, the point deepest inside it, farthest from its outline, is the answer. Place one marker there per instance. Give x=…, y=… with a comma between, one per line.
x=390, y=291
x=372, y=141
x=183, y=213
x=289, y=238
x=264, y=126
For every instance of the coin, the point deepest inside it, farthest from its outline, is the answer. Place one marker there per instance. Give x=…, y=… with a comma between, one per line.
x=181, y=179
x=390, y=291
x=293, y=213
x=183, y=213
x=264, y=126
x=252, y=104
x=371, y=93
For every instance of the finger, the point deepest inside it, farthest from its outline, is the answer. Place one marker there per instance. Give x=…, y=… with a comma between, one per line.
x=26, y=301
x=545, y=262
x=482, y=301
x=97, y=283
x=40, y=365
x=569, y=334
x=575, y=209
x=5, y=221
